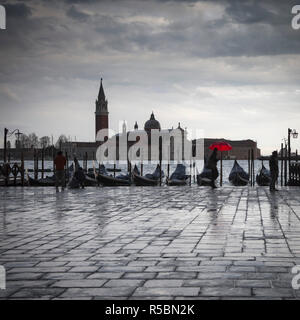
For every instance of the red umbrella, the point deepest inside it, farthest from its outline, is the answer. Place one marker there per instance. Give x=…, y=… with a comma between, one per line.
x=221, y=146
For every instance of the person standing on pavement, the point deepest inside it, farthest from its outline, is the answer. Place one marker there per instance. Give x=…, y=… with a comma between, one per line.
x=212, y=165
x=273, y=163
x=60, y=162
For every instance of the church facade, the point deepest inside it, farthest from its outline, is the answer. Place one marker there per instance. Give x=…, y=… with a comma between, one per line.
x=87, y=150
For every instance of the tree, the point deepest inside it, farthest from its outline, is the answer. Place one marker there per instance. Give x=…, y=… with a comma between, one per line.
x=45, y=142
x=24, y=141
x=62, y=139
x=34, y=140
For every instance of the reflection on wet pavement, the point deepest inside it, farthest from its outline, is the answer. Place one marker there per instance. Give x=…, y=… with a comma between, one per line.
x=134, y=242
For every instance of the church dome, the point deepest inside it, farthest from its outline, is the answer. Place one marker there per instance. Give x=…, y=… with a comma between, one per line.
x=152, y=124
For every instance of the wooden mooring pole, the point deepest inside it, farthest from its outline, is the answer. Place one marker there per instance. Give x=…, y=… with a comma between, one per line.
x=249, y=163
x=285, y=165
x=35, y=166
x=67, y=174
x=253, y=168
x=22, y=169
x=281, y=167
x=43, y=164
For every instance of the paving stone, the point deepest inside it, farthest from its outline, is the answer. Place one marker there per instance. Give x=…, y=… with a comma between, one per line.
x=106, y=275
x=166, y=292
x=223, y=292
x=44, y=293
x=124, y=283
x=139, y=275
x=79, y=283
x=209, y=283
x=97, y=292
x=282, y=293
x=252, y=283
x=163, y=283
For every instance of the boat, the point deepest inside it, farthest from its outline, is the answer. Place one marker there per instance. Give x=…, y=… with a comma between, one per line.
x=263, y=178
x=178, y=177
x=238, y=176
x=12, y=182
x=49, y=181
x=150, y=179
x=108, y=180
x=205, y=177
x=79, y=179
x=114, y=170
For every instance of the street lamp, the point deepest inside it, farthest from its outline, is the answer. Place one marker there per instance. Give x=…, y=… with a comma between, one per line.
x=9, y=134
x=294, y=133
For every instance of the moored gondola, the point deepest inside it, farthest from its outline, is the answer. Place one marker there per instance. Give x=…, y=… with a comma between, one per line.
x=205, y=177
x=263, y=178
x=152, y=179
x=178, y=177
x=108, y=180
x=49, y=181
x=238, y=176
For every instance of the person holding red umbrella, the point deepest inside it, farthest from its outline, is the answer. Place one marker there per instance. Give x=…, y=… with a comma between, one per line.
x=212, y=165
x=221, y=146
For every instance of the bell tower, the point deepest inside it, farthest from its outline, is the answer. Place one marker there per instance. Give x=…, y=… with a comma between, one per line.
x=101, y=114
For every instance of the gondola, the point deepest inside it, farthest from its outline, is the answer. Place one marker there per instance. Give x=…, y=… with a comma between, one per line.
x=80, y=179
x=45, y=182
x=238, y=176
x=11, y=182
x=205, y=178
x=113, y=170
x=108, y=180
x=178, y=177
x=263, y=178
x=150, y=179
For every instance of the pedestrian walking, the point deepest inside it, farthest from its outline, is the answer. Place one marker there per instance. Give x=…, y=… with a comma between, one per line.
x=60, y=162
x=273, y=163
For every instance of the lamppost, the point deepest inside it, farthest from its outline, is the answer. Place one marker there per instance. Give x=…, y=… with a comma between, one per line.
x=9, y=134
x=295, y=136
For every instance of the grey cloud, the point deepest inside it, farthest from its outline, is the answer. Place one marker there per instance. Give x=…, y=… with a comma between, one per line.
x=18, y=10
x=141, y=59
x=77, y=14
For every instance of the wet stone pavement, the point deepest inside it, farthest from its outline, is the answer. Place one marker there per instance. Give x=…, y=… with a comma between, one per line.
x=149, y=243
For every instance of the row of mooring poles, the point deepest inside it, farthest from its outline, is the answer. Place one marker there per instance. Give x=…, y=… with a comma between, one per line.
x=36, y=163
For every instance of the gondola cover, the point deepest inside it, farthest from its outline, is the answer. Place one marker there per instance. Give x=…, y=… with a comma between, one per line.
x=238, y=176
x=264, y=177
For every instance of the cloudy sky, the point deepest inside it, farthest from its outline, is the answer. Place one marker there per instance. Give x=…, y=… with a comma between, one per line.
x=231, y=68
